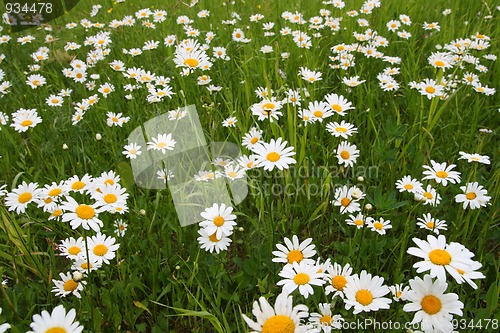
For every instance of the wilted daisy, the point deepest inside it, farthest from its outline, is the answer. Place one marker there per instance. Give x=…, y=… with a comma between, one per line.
x=336, y=277
x=346, y=153
x=399, y=292
x=57, y=321
x=434, y=308
x=440, y=257
x=283, y=317
x=19, y=198
x=302, y=276
x=474, y=157
x=344, y=129
x=274, y=154
x=378, y=225
x=409, y=184
x=23, y=119
x=81, y=215
x=103, y=247
x=365, y=292
x=474, y=196
x=441, y=173
x=67, y=285
x=428, y=196
x=219, y=220
x=430, y=223
x=211, y=243
x=325, y=321
x=162, y=143
x=132, y=150
x=295, y=251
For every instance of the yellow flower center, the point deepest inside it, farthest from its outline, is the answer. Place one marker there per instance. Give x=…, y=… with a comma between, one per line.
x=232, y=174
x=430, y=90
x=345, y=202
x=339, y=282
x=24, y=197
x=161, y=145
x=78, y=185
x=213, y=238
x=85, y=212
x=268, y=106
x=345, y=154
x=106, y=90
x=57, y=212
x=110, y=198
x=364, y=297
x=378, y=225
x=430, y=304
x=278, y=324
x=358, y=222
x=439, y=63
x=86, y=265
x=273, y=156
x=428, y=195
x=56, y=329
x=191, y=62
x=26, y=123
x=325, y=319
x=311, y=79
x=55, y=192
x=36, y=82
x=55, y=101
x=254, y=140
x=74, y=250
x=295, y=256
x=70, y=285
x=341, y=129
x=219, y=221
x=398, y=294
x=48, y=200
x=100, y=250
x=408, y=187
x=471, y=196
x=318, y=114
x=439, y=257
x=301, y=278
x=442, y=174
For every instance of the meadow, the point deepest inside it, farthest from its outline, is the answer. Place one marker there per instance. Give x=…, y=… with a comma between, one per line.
x=368, y=132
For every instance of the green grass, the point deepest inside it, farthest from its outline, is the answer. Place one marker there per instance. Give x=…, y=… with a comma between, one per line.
x=161, y=281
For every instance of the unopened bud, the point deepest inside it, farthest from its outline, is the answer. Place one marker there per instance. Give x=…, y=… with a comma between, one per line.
x=77, y=276
x=142, y=212
x=65, y=146
x=361, y=179
x=368, y=207
x=98, y=137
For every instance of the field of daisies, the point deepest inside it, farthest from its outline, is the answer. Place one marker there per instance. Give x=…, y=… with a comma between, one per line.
x=367, y=134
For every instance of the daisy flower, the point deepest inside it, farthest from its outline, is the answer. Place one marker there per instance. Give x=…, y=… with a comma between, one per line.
x=72, y=248
x=430, y=88
x=309, y=76
x=345, y=200
x=352, y=81
x=338, y=104
x=469, y=274
x=441, y=173
x=23, y=119
x=116, y=119
x=54, y=100
x=344, y=129
x=219, y=220
x=474, y=157
x=233, y=172
x=109, y=196
x=337, y=278
x=248, y=162
x=210, y=242
x=358, y=220
x=165, y=175
x=325, y=321
x=67, y=286
x=283, y=317
x=120, y=227
x=102, y=247
x=132, y=150
x=274, y=154
x=428, y=196
x=434, y=308
x=319, y=110
x=162, y=143
x=346, y=153
x=19, y=198
x=409, y=184
x=365, y=292
x=474, y=196
x=301, y=276
x=230, y=122
x=430, y=223
x=85, y=265
x=81, y=215
x=77, y=184
x=35, y=81
x=267, y=109
x=379, y=225
x=295, y=251
x=57, y=321
x=106, y=89
x=439, y=257
x=399, y=292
